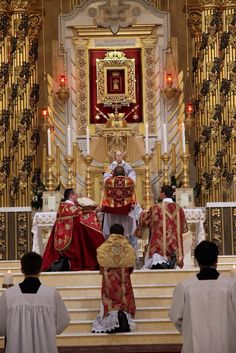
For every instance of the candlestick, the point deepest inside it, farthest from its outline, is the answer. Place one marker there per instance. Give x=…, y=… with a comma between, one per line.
x=50, y=183
x=146, y=138
x=159, y=156
x=183, y=138
x=49, y=143
x=88, y=179
x=8, y=278
x=147, y=186
x=165, y=158
x=185, y=160
x=165, y=138
x=87, y=141
x=69, y=161
x=68, y=140
x=233, y=271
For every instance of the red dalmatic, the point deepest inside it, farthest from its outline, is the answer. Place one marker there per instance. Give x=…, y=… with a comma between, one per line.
x=167, y=224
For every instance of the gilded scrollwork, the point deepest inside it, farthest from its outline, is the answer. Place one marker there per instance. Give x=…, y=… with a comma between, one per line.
x=195, y=21
x=14, y=187
x=115, y=62
x=4, y=76
x=34, y=140
x=227, y=180
x=13, y=142
x=232, y=117
x=25, y=120
x=149, y=63
x=3, y=235
x=4, y=124
x=34, y=95
x=25, y=170
x=216, y=225
x=82, y=98
x=3, y=6
x=4, y=172
x=19, y=5
x=22, y=233
x=35, y=25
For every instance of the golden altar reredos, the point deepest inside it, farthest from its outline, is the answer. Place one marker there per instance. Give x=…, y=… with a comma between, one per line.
x=116, y=71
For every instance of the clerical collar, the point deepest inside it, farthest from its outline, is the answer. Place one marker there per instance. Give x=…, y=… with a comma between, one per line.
x=30, y=285
x=167, y=199
x=120, y=162
x=70, y=202
x=207, y=273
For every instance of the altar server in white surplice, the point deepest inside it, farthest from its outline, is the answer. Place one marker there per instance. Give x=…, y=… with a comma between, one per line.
x=32, y=314
x=204, y=307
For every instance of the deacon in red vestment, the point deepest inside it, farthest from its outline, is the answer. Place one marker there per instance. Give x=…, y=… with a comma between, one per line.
x=116, y=258
x=75, y=236
x=167, y=223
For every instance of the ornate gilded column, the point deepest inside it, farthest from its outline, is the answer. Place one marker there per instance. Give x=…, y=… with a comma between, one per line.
x=214, y=88
x=19, y=93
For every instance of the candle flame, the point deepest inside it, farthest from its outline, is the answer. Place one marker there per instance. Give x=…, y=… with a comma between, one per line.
x=9, y=271
x=234, y=267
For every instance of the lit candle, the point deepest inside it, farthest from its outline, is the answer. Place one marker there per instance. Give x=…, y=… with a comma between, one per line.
x=146, y=138
x=68, y=141
x=233, y=272
x=183, y=138
x=8, y=278
x=87, y=141
x=49, y=143
x=165, y=138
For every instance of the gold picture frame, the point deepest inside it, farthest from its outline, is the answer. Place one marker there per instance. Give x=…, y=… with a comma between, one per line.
x=115, y=75
x=185, y=197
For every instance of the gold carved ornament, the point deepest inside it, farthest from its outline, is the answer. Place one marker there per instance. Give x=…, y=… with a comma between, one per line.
x=117, y=63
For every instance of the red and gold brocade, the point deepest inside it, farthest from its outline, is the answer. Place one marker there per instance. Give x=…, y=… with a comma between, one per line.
x=119, y=195
x=167, y=224
x=116, y=258
x=76, y=235
x=64, y=225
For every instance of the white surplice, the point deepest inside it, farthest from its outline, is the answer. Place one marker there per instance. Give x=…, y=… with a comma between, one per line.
x=32, y=321
x=204, y=311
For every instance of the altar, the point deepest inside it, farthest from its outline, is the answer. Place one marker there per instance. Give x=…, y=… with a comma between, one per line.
x=44, y=221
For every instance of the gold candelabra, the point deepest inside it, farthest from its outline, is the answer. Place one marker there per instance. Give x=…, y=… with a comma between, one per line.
x=147, y=186
x=88, y=178
x=70, y=161
x=185, y=160
x=165, y=159
x=50, y=184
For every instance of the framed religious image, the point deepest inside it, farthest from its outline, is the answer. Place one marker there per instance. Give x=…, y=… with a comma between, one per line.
x=115, y=76
x=184, y=197
x=51, y=200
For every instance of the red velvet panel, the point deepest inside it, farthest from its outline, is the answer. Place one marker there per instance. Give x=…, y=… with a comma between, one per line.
x=94, y=54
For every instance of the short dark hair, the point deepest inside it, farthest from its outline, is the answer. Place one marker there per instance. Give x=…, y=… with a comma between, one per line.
x=31, y=264
x=67, y=193
x=167, y=190
x=206, y=253
x=117, y=229
x=119, y=171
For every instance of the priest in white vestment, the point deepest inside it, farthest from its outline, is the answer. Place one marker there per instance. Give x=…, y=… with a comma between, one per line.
x=204, y=307
x=32, y=314
x=129, y=172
